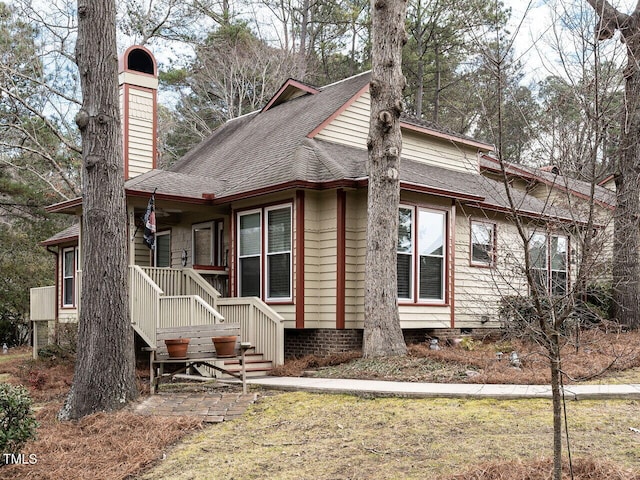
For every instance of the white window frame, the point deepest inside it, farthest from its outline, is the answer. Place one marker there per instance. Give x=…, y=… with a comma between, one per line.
x=415, y=256
x=240, y=256
x=409, y=253
x=443, y=256
x=73, y=276
x=267, y=253
x=548, y=269
x=492, y=246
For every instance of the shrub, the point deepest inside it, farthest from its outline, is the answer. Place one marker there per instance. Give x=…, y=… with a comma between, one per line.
x=17, y=423
x=68, y=337
x=518, y=312
x=54, y=351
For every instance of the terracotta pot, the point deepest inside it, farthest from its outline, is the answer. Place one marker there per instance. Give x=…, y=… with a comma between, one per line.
x=177, y=347
x=225, y=345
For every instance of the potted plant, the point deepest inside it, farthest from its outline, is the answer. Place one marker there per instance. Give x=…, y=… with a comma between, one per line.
x=225, y=345
x=177, y=347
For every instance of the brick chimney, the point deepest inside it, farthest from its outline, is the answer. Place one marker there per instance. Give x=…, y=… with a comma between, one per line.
x=138, y=83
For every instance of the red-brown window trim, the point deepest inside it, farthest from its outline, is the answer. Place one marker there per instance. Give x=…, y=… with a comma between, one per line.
x=415, y=301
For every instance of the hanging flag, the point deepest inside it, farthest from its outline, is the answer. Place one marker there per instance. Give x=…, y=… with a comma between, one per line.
x=149, y=220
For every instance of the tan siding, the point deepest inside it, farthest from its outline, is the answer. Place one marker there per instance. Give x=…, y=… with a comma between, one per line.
x=140, y=134
x=425, y=316
x=320, y=259
x=440, y=153
x=351, y=127
x=356, y=245
x=478, y=290
x=142, y=255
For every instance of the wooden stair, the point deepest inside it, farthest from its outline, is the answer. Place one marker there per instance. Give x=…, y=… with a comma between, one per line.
x=256, y=365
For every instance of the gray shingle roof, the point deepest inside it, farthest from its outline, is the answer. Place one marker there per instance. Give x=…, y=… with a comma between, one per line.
x=264, y=150
x=600, y=194
x=68, y=234
x=174, y=184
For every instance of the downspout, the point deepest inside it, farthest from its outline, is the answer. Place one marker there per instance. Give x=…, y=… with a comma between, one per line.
x=56, y=303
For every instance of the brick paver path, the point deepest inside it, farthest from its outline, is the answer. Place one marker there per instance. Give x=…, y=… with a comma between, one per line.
x=211, y=406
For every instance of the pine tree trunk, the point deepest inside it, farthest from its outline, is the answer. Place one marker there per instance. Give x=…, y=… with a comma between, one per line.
x=382, y=332
x=626, y=240
x=104, y=376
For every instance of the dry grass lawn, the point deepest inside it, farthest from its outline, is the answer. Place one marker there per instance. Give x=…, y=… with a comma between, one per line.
x=307, y=436
x=323, y=437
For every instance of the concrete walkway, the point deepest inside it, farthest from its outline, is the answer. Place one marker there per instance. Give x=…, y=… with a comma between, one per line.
x=455, y=390
x=215, y=407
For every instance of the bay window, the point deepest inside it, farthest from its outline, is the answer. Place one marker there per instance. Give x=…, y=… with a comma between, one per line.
x=421, y=249
x=271, y=225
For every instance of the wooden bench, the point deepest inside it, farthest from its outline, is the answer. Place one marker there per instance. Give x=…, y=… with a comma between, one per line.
x=201, y=351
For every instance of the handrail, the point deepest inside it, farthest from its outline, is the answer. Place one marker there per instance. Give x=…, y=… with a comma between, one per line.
x=173, y=308
x=195, y=284
x=144, y=304
x=259, y=324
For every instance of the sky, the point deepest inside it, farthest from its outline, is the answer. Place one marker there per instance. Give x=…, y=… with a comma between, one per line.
x=532, y=44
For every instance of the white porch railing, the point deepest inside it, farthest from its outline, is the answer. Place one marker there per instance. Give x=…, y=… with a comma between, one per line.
x=182, y=282
x=152, y=306
x=259, y=324
x=185, y=310
x=144, y=301
x=43, y=303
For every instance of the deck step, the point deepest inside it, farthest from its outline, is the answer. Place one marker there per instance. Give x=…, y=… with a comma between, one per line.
x=256, y=366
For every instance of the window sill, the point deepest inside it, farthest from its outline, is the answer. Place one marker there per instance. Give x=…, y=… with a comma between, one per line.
x=481, y=265
x=211, y=268
x=409, y=303
x=280, y=302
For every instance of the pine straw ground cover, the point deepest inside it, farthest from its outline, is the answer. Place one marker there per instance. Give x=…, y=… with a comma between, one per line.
x=105, y=446
x=595, y=356
x=305, y=436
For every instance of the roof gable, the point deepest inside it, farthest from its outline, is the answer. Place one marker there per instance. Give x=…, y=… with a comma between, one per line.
x=290, y=89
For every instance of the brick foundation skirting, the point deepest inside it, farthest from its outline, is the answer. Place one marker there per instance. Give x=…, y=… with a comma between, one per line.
x=323, y=342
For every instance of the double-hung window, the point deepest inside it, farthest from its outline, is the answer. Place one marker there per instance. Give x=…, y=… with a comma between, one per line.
x=249, y=253
x=278, y=225
x=69, y=267
x=548, y=258
x=421, y=249
x=482, y=243
x=265, y=238
x=405, y=253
